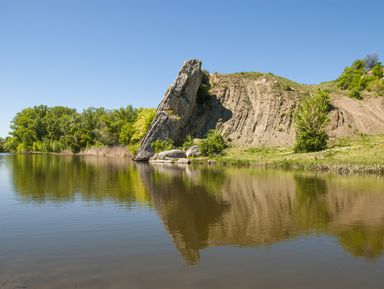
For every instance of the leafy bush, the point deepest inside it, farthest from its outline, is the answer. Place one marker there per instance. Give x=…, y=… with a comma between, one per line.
x=213, y=145
x=355, y=94
x=2, y=145
x=188, y=142
x=162, y=145
x=311, y=119
x=362, y=75
x=378, y=71
x=351, y=77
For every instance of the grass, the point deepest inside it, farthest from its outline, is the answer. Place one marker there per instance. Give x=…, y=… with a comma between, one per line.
x=360, y=154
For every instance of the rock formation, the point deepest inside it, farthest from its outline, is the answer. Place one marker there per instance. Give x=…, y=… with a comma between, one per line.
x=175, y=110
x=253, y=109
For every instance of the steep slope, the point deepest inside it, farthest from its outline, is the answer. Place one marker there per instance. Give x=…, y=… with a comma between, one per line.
x=175, y=110
x=253, y=109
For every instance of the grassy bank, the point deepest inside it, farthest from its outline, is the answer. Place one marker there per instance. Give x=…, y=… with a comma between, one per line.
x=358, y=155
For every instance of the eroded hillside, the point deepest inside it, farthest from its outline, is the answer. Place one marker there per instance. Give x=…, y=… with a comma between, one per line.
x=252, y=109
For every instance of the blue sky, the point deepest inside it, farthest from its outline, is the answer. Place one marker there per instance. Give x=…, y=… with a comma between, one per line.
x=111, y=53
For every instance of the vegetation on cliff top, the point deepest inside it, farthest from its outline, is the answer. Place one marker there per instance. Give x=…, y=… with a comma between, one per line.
x=363, y=75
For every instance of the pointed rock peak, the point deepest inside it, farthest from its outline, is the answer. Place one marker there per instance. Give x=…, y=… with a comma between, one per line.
x=174, y=111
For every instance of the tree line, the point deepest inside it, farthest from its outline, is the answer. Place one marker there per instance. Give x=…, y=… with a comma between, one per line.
x=55, y=129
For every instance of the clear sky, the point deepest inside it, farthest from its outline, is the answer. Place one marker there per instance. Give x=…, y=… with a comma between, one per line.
x=111, y=53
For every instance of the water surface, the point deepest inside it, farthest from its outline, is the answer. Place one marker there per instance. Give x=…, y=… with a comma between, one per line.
x=71, y=222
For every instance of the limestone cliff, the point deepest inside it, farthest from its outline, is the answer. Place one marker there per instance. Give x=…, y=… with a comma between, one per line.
x=175, y=110
x=250, y=109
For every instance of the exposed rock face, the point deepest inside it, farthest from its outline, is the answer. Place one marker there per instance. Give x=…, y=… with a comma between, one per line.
x=175, y=110
x=257, y=111
x=250, y=109
x=193, y=151
x=171, y=154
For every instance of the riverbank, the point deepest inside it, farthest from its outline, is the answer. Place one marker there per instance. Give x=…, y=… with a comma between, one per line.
x=115, y=151
x=361, y=154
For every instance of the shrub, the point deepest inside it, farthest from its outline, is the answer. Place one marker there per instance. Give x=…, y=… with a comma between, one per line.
x=162, y=145
x=2, y=145
x=311, y=119
x=213, y=145
x=378, y=71
x=362, y=75
x=188, y=142
x=355, y=94
x=351, y=76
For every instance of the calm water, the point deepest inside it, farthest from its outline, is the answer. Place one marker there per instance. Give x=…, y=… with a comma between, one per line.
x=68, y=222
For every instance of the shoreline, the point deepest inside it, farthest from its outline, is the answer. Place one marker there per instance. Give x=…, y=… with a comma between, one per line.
x=311, y=167
x=358, y=155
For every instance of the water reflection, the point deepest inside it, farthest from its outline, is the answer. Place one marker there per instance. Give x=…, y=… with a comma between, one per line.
x=43, y=178
x=206, y=206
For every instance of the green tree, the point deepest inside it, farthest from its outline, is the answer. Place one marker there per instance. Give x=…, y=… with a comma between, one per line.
x=213, y=145
x=2, y=145
x=311, y=119
x=363, y=75
x=142, y=123
x=53, y=129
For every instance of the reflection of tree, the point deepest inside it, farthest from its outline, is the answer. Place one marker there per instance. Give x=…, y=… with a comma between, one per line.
x=54, y=178
x=360, y=240
x=212, y=206
x=311, y=206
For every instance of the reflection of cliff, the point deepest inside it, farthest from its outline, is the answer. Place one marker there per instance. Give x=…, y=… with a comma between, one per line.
x=212, y=206
x=54, y=178
x=260, y=207
x=187, y=208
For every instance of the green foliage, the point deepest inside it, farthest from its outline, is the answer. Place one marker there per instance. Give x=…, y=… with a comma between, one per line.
x=142, y=123
x=54, y=129
x=351, y=78
x=2, y=145
x=378, y=71
x=311, y=119
x=162, y=145
x=355, y=94
x=362, y=75
x=213, y=145
x=188, y=142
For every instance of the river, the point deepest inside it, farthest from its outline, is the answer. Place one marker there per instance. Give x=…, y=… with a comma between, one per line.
x=86, y=222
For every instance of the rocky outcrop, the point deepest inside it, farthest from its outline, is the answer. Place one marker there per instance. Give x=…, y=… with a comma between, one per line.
x=193, y=151
x=175, y=110
x=171, y=154
x=250, y=109
x=258, y=110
